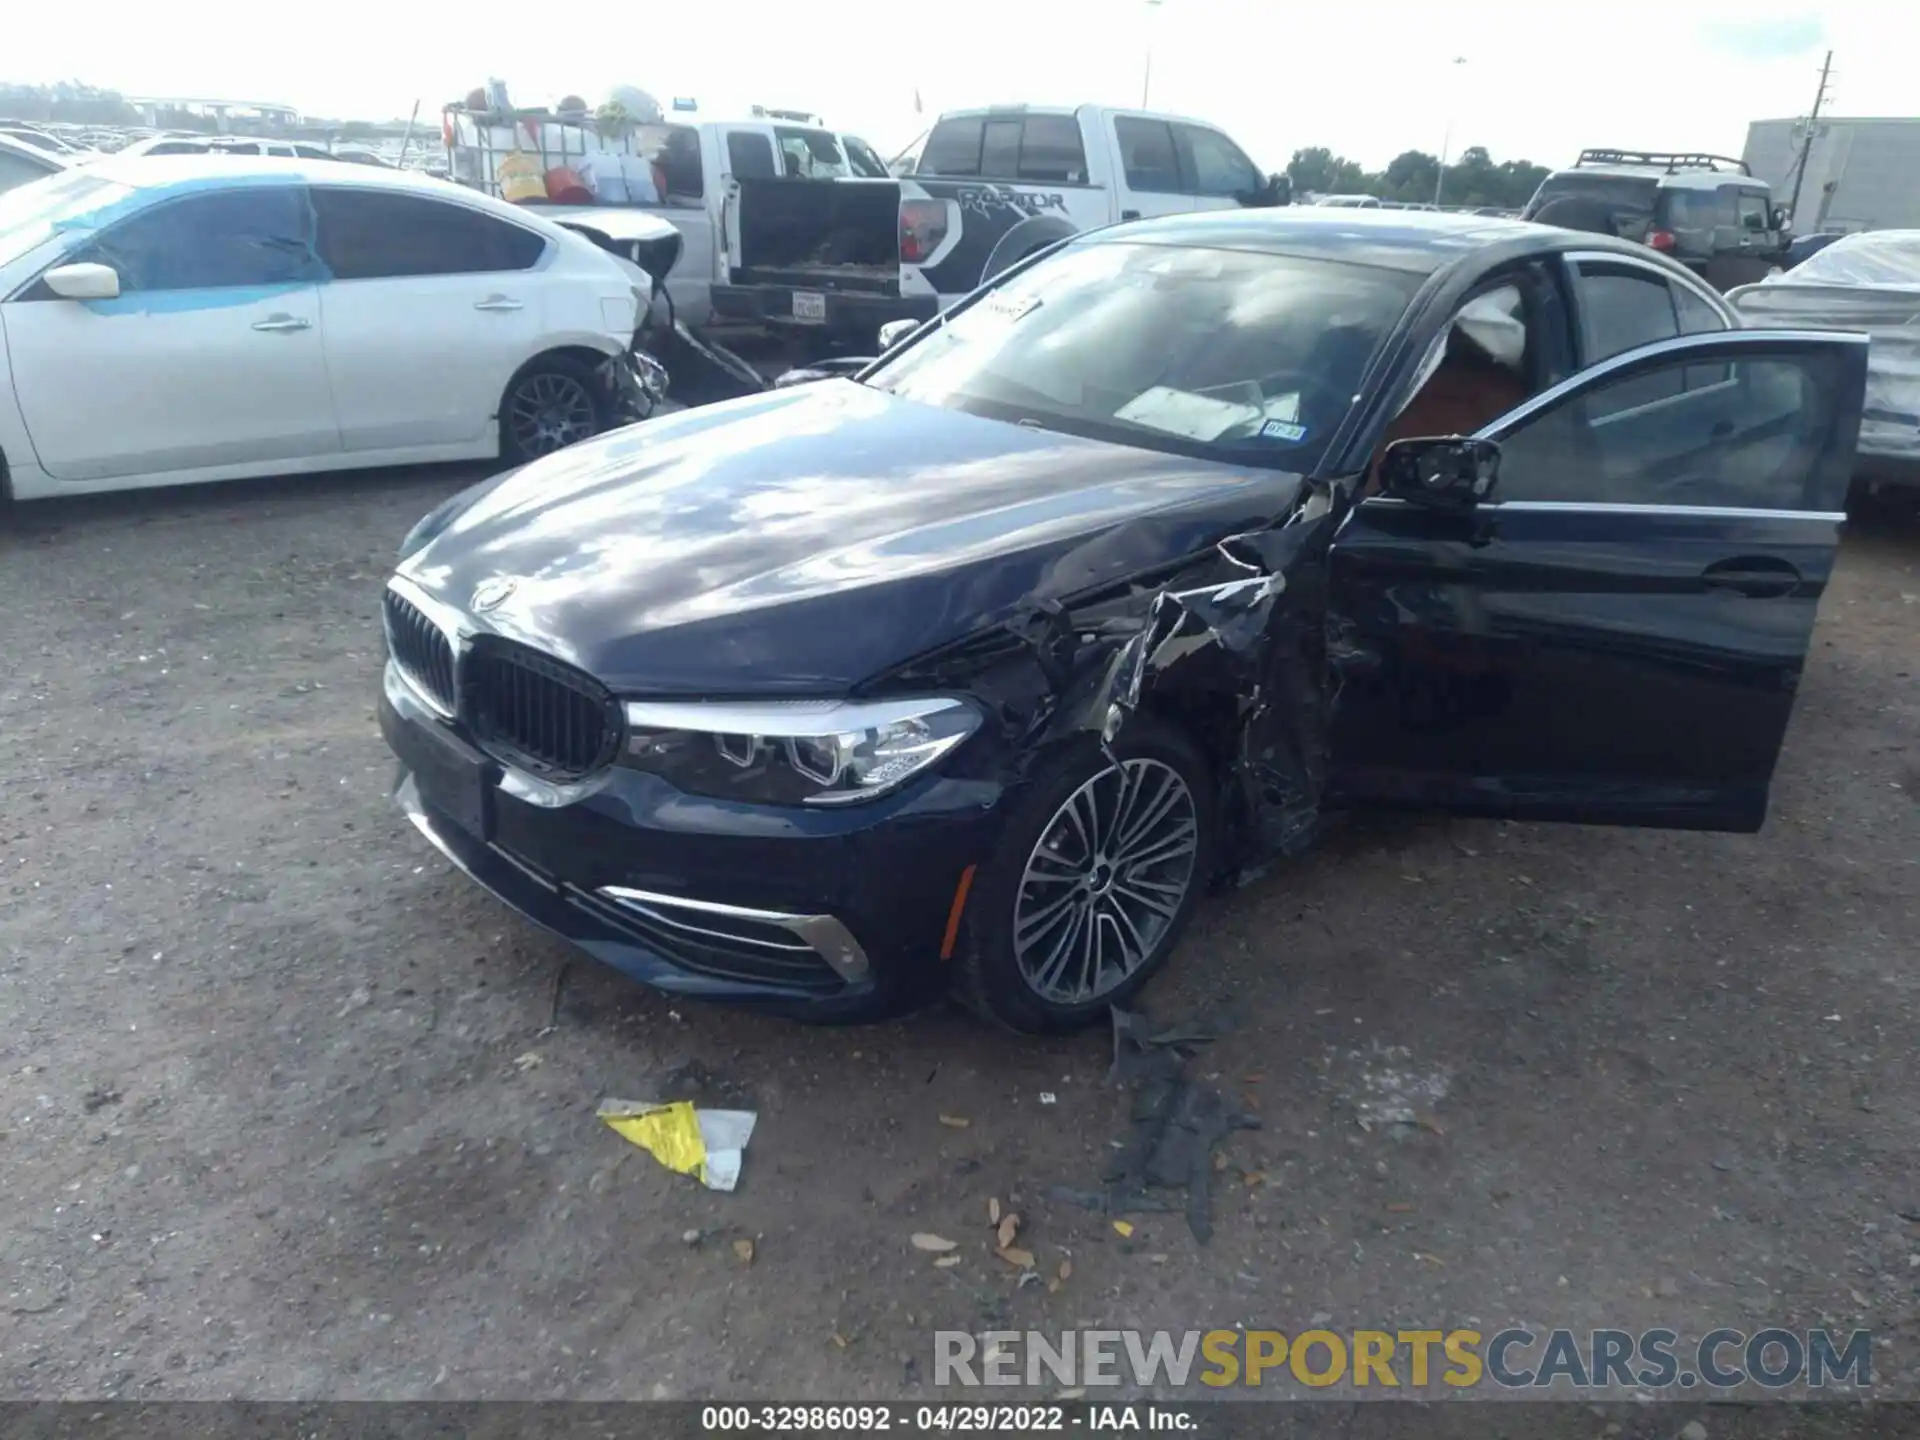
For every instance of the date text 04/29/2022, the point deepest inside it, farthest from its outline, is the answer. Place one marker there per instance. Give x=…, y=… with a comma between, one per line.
x=946, y=1419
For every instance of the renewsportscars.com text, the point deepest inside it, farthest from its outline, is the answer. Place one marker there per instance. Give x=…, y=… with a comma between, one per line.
x=1438, y=1360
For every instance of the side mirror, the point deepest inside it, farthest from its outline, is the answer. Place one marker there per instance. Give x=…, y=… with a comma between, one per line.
x=1780, y=217
x=84, y=282
x=1451, y=472
x=894, y=331
x=1279, y=190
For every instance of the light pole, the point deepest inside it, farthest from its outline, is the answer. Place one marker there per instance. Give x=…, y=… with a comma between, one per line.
x=1146, y=80
x=1446, y=139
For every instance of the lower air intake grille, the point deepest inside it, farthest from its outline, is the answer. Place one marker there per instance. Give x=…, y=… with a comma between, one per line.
x=533, y=712
x=421, y=650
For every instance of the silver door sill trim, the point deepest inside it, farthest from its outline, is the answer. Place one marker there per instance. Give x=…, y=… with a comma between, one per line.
x=1599, y=507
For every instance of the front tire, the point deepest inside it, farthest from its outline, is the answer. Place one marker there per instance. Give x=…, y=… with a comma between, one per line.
x=555, y=401
x=1092, y=884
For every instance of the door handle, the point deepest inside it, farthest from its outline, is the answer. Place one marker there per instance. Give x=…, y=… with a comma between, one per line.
x=499, y=302
x=283, y=322
x=1759, y=577
x=1129, y=214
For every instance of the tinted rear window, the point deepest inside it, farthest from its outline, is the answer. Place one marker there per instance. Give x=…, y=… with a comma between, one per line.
x=1623, y=194
x=953, y=148
x=1043, y=148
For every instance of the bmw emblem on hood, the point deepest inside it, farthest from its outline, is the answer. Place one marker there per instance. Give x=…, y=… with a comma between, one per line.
x=489, y=593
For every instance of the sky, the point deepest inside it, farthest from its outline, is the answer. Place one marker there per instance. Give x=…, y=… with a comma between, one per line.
x=1367, y=78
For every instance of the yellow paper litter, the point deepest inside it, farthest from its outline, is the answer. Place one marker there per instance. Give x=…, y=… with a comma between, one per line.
x=706, y=1144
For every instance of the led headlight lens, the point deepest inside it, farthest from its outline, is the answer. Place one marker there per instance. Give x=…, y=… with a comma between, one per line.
x=795, y=752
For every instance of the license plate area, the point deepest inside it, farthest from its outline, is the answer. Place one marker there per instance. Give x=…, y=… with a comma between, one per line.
x=457, y=781
x=810, y=307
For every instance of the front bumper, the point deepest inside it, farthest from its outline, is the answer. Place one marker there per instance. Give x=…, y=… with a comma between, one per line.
x=635, y=384
x=851, y=316
x=839, y=915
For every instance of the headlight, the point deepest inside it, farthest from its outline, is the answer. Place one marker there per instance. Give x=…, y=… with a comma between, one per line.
x=795, y=752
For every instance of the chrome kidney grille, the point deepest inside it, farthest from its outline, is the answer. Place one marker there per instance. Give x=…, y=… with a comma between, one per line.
x=535, y=713
x=421, y=650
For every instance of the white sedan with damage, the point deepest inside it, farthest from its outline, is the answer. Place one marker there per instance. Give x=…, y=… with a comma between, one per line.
x=179, y=319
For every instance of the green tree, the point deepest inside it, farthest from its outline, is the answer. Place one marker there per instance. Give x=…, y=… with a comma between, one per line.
x=1318, y=170
x=1410, y=176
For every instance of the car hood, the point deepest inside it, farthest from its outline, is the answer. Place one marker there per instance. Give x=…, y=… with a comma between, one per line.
x=804, y=540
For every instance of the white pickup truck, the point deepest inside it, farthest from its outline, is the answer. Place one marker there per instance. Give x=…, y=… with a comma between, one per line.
x=782, y=223
x=992, y=186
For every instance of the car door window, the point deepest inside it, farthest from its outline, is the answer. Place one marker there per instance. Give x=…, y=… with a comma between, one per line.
x=1697, y=317
x=1051, y=150
x=1754, y=212
x=1727, y=208
x=1758, y=441
x=1213, y=164
x=17, y=170
x=811, y=154
x=750, y=156
x=249, y=235
x=679, y=162
x=862, y=157
x=1621, y=310
x=953, y=148
x=1691, y=215
x=1147, y=155
x=382, y=234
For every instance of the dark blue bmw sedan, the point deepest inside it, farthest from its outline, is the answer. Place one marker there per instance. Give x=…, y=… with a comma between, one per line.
x=975, y=671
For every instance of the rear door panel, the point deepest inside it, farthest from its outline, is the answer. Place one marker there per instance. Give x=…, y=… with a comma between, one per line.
x=430, y=309
x=1594, y=647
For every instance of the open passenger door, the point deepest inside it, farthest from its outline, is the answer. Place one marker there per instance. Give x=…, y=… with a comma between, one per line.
x=1616, y=634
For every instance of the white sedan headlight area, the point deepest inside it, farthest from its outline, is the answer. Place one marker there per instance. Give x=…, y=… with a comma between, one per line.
x=795, y=752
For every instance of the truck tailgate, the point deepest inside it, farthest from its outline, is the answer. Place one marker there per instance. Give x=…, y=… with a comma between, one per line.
x=822, y=234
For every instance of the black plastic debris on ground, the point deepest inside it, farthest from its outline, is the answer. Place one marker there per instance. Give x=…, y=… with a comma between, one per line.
x=1175, y=1123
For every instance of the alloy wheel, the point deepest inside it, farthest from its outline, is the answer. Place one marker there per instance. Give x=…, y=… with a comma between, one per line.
x=549, y=412
x=1105, y=881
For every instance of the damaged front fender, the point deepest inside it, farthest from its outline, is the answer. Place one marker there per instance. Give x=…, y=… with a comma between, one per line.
x=1231, y=646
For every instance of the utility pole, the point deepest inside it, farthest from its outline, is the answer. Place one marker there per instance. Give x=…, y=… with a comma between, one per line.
x=1446, y=140
x=1806, y=143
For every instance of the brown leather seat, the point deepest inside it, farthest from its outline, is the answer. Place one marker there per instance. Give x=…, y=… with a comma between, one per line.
x=1469, y=390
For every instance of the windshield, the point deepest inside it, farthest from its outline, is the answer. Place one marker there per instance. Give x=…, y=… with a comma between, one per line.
x=30, y=215
x=1229, y=355
x=1623, y=194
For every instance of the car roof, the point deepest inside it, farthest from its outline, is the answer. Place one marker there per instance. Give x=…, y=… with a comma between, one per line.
x=1418, y=241
x=53, y=159
x=142, y=171
x=1669, y=179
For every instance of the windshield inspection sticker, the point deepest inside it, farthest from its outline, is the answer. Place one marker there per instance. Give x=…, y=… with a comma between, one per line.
x=1283, y=430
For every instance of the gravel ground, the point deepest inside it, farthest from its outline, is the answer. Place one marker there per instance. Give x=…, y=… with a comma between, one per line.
x=282, y=1113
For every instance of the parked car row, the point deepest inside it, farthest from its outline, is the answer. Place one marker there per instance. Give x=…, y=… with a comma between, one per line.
x=28, y=153
x=791, y=227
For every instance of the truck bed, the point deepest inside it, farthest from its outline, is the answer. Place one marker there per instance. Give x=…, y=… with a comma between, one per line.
x=820, y=234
